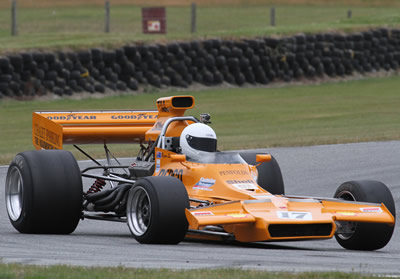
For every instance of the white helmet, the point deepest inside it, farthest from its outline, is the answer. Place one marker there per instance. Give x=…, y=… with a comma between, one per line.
x=197, y=140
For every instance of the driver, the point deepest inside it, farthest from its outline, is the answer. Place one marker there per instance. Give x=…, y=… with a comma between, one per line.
x=197, y=140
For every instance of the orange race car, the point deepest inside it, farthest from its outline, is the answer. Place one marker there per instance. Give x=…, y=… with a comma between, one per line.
x=179, y=185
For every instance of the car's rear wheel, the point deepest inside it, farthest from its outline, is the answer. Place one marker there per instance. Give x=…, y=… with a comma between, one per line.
x=365, y=236
x=269, y=173
x=156, y=210
x=44, y=192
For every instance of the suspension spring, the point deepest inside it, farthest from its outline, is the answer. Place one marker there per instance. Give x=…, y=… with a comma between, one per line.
x=97, y=186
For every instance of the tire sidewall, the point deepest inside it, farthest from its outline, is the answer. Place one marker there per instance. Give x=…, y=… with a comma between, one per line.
x=154, y=207
x=52, y=192
x=168, y=200
x=368, y=236
x=25, y=220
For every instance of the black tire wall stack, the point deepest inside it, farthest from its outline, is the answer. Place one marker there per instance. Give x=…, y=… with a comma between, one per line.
x=208, y=62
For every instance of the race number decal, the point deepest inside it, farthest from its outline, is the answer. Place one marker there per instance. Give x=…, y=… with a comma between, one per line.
x=294, y=215
x=178, y=173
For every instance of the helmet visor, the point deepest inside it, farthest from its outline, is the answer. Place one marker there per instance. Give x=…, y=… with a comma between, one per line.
x=203, y=144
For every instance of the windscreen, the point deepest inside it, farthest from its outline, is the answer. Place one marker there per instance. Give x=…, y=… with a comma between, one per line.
x=219, y=158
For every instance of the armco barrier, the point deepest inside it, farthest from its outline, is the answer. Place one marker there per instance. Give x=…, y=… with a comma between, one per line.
x=208, y=62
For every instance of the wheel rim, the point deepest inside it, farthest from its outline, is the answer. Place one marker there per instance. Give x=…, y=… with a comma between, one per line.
x=139, y=211
x=14, y=193
x=348, y=227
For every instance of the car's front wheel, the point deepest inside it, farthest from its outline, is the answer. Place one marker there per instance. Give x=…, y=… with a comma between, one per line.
x=365, y=236
x=156, y=210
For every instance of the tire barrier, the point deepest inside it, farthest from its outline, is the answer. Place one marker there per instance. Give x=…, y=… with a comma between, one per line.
x=208, y=62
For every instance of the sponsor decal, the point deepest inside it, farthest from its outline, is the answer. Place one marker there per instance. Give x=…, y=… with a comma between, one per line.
x=72, y=117
x=294, y=215
x=158, y=165
x=39, y=131
x=233, y=172
x=237, y=215
x=163, y=106
x=371, y=209
x=245, y=186
x=346, y=213
x=135, y=116
x=178, y=173
x=43, y=144
x=246, y=181
x=158, y=161
x=203, y=213
x=204, y=184
x=46, y=134
x=46, y=138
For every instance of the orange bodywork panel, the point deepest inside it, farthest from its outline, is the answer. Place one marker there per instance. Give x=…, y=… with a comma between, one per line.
x=249, y=212
x=50, y=130
x=358, y=212
x=250, y=220
x=53, y=129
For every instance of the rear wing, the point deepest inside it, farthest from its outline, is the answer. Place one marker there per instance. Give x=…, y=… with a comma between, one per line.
x=52, y=129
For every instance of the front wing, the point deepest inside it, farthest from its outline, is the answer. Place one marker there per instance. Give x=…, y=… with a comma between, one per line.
x=279, y=218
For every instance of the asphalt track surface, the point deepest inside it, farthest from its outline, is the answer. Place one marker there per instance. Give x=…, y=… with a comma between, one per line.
x=311, y=171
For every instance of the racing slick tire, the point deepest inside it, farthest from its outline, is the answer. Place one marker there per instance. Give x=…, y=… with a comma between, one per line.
x=366, y=236
x=156, y=210
x=44, y=192
x=269, y=173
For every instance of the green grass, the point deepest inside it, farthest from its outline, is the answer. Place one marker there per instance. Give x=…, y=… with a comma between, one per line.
x=65, y=272
x=83, y=26
x=341, y=112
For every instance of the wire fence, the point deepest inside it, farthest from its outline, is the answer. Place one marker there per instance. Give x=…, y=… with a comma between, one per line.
x=186, y=20
x=109, y=24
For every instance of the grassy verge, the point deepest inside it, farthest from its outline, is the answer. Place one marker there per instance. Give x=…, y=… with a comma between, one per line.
x=64, y=272
x=58, y=27
x=341, y=112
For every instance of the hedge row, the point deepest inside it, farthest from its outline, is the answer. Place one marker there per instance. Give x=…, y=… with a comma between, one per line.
x=208, y=62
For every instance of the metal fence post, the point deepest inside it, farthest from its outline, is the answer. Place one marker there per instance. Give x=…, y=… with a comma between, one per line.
x=107, y=17
x=349, y=14
x=14, y=31
x=193, y=28
x=272, y=16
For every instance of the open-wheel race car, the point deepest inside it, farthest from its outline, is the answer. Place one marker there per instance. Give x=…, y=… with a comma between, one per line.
x=179, y=185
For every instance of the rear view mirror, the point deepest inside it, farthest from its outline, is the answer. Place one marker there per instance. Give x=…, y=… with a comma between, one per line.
x=261, y=158
x=178, y=158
